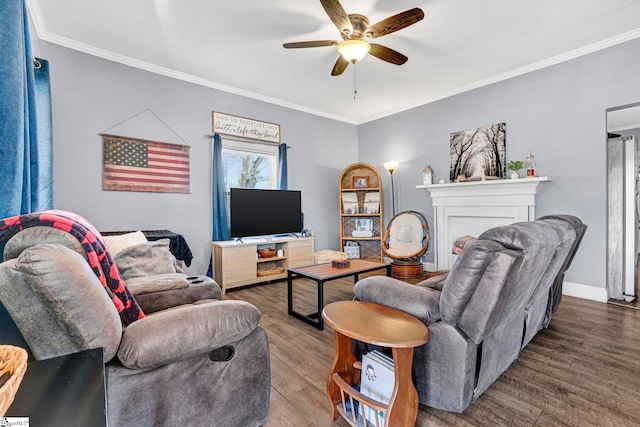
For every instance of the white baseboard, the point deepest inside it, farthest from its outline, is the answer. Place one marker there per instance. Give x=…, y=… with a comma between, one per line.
x=580, y=290
x=429, y=266
x=570, y=289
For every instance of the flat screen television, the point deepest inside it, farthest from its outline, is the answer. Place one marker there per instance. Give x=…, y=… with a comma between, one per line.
x=258, y=212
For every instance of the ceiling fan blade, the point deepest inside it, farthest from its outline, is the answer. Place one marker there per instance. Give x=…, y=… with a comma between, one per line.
x=395, y=23
x=338, y=15
x=340, y=66
x=316, y=43
x=387, y=54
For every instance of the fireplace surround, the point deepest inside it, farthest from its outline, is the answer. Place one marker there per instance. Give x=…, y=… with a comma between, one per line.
x=469, y=208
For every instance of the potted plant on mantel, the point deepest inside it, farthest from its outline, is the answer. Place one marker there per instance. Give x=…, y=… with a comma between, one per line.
x=514, y=166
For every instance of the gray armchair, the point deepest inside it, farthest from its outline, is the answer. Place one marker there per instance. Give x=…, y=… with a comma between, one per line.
x=490, y=305
x=185, y=365
x=555, y=293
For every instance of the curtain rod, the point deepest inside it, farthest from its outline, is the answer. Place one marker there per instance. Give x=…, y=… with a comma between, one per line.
x=249, y=140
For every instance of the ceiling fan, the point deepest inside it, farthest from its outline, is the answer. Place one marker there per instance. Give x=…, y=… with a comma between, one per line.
x=354, y=28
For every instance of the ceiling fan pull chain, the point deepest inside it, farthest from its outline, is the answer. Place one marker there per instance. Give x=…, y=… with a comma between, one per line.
x=355, y=89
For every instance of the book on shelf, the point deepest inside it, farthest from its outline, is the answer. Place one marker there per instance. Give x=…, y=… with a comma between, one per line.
x=376, y=381
x=382, y=357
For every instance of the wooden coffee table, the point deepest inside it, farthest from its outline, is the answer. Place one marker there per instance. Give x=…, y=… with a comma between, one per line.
x=382, y=326
x=323, y=273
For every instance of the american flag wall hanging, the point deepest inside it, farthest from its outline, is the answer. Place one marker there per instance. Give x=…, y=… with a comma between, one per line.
x=132, y=164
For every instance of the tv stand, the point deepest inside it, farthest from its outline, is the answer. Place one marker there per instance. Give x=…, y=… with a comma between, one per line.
x=235, y=263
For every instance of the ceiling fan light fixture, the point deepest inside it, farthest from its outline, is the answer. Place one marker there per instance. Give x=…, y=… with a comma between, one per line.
x=354, y=50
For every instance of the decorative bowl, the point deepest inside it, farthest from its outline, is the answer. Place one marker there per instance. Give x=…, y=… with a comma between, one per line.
x=340, y=263
x=267, y=252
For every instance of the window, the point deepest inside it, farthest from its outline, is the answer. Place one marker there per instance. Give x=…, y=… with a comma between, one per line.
x=249, y=165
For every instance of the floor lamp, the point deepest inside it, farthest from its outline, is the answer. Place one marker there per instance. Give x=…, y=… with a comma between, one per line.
x=392, y=166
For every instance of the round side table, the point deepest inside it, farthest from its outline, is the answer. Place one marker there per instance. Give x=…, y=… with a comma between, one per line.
x=383, y=326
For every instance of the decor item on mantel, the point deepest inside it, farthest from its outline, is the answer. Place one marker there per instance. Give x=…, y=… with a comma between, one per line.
x=530, y=165
x=427, y=175
x=470, y=150
x=514, y=166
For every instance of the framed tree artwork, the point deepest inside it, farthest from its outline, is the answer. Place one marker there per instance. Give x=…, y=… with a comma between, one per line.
x=478, y=153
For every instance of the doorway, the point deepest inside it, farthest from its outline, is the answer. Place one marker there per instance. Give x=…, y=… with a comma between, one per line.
x=623, y=214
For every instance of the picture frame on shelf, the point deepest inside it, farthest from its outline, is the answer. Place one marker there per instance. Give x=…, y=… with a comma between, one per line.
x=360, y=182
x=364, y=224
x=372, y=203
x=350, y=203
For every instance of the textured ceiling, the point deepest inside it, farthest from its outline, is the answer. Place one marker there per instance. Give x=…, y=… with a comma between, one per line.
x=237, y=46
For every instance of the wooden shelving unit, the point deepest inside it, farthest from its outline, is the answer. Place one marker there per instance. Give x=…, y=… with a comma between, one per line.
x=359, y=184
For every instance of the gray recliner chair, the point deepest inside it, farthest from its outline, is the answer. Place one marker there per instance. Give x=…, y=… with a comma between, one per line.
x=490, y=305
x=555, y=293
x=162, y=370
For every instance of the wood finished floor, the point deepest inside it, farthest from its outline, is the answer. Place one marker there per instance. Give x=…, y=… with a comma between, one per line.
x=584, y=370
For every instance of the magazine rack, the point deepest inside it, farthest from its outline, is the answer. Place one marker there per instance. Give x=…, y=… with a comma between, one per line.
x=382, y=326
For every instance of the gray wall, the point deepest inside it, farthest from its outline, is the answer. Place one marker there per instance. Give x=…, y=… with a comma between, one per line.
x=557, y=112
x=91, y=95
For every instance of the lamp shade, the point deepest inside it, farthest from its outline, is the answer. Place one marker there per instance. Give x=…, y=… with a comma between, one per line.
x=391, y=166
x=353, y=50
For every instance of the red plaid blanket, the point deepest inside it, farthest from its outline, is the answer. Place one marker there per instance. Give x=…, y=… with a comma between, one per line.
x=98, y=256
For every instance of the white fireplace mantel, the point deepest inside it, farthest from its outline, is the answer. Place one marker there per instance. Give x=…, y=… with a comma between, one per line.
x=469, y=208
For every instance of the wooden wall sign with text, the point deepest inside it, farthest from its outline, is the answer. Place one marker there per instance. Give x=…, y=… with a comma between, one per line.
x=246, y=128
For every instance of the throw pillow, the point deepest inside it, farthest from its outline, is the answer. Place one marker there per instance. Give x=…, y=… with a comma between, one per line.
x=116, y=244
x=146, y=259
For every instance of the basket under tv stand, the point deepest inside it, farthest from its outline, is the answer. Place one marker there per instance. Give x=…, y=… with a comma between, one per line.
x=236, y=263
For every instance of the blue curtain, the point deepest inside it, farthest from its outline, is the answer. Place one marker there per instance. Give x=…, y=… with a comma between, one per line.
x=42, y=168
x=220, y=216
x=26, y=172
x=282, y=167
